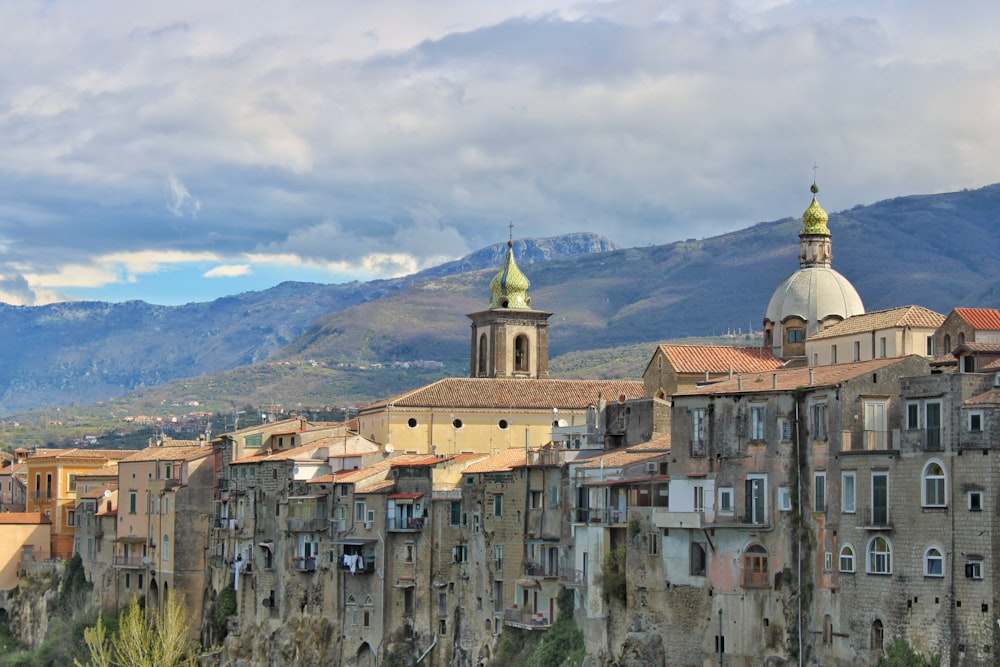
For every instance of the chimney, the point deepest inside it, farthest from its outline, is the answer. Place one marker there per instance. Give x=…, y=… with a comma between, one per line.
x=739, y=382
x=774, y=380
x=811, y=378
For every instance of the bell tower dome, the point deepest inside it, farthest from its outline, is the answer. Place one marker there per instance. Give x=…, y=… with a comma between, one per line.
x=510, y=339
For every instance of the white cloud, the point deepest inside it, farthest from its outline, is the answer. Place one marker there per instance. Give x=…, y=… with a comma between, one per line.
x=179, y=200
x=228, y=271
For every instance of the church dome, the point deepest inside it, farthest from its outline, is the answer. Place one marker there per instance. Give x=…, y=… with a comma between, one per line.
x=814, y=294
x=509, y=287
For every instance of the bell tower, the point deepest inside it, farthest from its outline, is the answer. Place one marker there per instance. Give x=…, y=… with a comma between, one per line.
x=511, y=339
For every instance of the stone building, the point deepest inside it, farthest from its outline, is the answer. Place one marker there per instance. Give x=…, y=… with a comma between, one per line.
x=894, y=332
x=677, y=368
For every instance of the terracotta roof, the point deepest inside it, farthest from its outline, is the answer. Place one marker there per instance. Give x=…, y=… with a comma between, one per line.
x=991, y=397
x=658, y=445
x=80, y=453
x=788, y=379
x=110, y=470
x=427, y=460
x=23, y=518
x=719, y=358
x=374, y=486
x=506, y=393
x=99, y=492
x=980, y=318
x=300, y=452
x=361, y=474
x=618, y=458
x=976, y=347
x=169, y=454
x=405, y=496
x=503, y=461
x=904, y=316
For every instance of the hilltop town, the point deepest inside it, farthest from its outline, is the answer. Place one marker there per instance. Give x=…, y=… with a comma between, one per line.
x=803, y=502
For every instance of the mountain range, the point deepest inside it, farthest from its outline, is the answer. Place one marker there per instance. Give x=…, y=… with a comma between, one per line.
x=939, y=251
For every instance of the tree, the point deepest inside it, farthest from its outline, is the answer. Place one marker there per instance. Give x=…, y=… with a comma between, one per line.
x=901, y=654
x=144, y=639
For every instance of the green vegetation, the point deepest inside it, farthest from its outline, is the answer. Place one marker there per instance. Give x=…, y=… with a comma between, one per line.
x=613, y=577
x=900, y=654
x=74, y=587
x=143, y=639
x=560, y=646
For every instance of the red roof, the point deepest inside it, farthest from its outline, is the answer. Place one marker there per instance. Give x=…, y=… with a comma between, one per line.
x=405, y=496
x=981, y=318
x=720, y=359
x=23, y=518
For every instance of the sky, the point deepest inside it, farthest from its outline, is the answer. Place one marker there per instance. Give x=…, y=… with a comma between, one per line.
x=179, y=152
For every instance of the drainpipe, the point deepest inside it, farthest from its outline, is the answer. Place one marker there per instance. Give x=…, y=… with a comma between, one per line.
x=429, y=649
x=381, y=574
x=798, y=492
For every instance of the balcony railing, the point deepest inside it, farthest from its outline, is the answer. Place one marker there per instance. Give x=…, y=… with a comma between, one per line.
x=876, y=440
x=299, y=525
x=874, y=517
x=526, y=620
x=600, y=516
x=130, y=561
x=753, y=578
x=536, y=569
x=368, y=567
x=574, y=578
x=400, y=524
x=304, y=564
x=41, y=495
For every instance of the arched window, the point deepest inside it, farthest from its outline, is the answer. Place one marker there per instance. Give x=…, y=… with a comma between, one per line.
x=961, y=338
x=878, y=636
x=166, y=548
x=755, y=572
x=481, y=371
x=947, y=343
x=934, y=486
x=847, y=558
x=879, y=556
x=521, y=354
x=933, y=563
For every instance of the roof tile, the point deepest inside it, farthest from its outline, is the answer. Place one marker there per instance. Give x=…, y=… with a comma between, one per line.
x=719, y=358
x=981, y=318
x=905, y=316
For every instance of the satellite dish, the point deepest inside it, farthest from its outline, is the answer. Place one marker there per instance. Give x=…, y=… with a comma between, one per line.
x=563, y=422
x=388, y=449
x=107, y=493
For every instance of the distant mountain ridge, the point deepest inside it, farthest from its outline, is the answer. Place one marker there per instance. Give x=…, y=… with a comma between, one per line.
x=939, y=251
x=89, y=351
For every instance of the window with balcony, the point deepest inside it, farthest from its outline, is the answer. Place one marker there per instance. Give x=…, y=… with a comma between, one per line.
x=755, y=500
x=876, y=426
x=932, y=425
x=912, y=416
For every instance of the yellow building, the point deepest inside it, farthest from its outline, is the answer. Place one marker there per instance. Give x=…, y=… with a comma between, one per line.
x=508, y=400
x=24, y=539
x=52, y=488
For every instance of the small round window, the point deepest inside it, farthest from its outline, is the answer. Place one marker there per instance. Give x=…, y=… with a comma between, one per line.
x=502, y=424
x=457, y=423
x=411, y=422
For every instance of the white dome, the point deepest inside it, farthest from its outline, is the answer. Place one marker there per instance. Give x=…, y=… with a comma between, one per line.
x=813, y=293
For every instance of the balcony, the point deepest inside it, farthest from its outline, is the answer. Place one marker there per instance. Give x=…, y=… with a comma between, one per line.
x=41, y=495
x=536, y=569
x=301, y=525
x=598, y=516
x=755, y=578
x=303, y=564
x=368, y=566
x=403, y=524
x=130, y=561
x=874, y=518
x=573, y=578
x=664, y=518
x=526, y=620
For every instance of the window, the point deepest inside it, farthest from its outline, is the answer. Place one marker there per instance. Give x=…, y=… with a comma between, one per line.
x=698, y=432
x=133, y=497
x=71, y=518
x=699, y=498
x=698, y=560
x=933, y=563
x=932, y=423
x=442, y=626
x=554, y=496
x=882, y=347
x=482, y=355
x=876, y=425
x=498, y=505
x=968, y=364
x=879, y=556
x=827, y=630
x=912, y=416
x=934, y=485
x=726, y=500
x=411, y=422
x=848, y=492
x=534, y=499
x=857, y=350
x=975, y=501
x=784, y=499
x=947, y=343
x=880, y=499
x=828, y=561
x=818, y=421
x=833, y=354
x=755, y=499
x=755, y=572
x=878, y=631
x=653, y=538
x=819, y=492
x=359, y=511
x=795, y=335
x=785, y=426
x=974, y=569
x=521, y=353
x=460, y=554
x=847, y=558
x=456, y=424
x=498, y=558
x=166, y=548
x=455, y=514
x=975, y=422
x=757, y=422
x=930, y=346
x=367, y=619
x=475, y=523
x=502, y=424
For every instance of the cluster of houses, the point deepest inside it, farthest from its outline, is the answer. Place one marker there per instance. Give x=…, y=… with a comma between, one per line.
x=801, y=503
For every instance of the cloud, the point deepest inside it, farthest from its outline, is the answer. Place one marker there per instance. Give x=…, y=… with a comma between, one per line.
x=228, y=271
x=368, y=140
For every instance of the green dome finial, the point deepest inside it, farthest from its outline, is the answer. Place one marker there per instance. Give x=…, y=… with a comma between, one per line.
x=815, y=218
x=510, y=287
